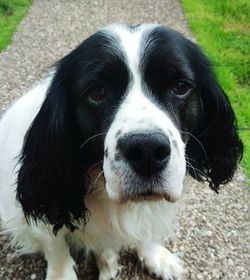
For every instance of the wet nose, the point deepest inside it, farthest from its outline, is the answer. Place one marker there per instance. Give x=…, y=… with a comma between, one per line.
x=146, y=153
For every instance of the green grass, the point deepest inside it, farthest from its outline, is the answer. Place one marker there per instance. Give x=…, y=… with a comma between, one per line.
x=222, y=28
x=11, y=13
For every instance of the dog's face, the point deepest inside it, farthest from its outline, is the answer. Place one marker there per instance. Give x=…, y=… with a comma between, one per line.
x=143, y=101
x=144, y=151
x=142, y=93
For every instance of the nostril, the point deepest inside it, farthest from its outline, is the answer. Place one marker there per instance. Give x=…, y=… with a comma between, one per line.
x=162, y=152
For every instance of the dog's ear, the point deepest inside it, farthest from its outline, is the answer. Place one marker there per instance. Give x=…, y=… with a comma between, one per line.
x=215, y=149
x=50, y=183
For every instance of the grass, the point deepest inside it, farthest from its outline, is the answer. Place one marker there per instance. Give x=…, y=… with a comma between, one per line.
x=222, y=28
x=11, y=13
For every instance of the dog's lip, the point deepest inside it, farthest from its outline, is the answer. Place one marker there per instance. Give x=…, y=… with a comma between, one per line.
x=148, y=196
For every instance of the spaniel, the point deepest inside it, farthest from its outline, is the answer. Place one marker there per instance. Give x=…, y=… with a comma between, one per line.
x=95, y=154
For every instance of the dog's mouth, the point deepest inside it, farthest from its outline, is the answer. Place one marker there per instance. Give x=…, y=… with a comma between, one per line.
x=133, y=189
x=149, y=195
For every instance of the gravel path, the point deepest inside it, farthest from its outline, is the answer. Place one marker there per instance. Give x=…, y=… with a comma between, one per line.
x=213, y=236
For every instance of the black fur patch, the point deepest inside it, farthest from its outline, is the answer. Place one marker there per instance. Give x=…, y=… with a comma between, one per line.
x=204, y=116
x=51, y=182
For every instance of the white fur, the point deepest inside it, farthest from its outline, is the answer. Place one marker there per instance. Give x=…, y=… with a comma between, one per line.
x=144, y=225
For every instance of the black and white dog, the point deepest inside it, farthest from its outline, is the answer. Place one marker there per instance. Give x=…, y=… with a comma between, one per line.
x=97, y=152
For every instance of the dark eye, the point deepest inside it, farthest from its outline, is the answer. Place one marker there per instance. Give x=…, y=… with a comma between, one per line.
x=96, y=94
x=182, y=87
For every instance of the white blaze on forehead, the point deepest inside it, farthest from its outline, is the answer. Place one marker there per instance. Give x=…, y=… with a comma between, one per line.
x=130, y=42
x=137, y=109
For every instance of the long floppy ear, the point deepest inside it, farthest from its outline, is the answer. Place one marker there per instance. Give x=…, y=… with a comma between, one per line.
x=215, y=150
x=50, y=184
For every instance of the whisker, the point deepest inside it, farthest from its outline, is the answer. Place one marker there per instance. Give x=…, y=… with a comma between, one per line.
x=97, y=178
x=191, y=166
x=204, y=175
x=93, y=187
x=211, y=185
x=94, y=165
x=196, y=169
x=198, y=141
x=92, y=137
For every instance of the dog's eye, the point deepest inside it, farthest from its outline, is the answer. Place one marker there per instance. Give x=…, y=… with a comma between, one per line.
x=182, y=87
x=96, y=94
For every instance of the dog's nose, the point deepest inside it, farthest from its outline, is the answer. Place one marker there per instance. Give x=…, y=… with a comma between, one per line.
x=147, y=153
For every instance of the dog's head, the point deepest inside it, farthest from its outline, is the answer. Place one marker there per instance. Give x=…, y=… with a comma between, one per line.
x=142, y=102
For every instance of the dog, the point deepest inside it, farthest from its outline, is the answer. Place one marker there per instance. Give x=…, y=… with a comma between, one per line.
x=95, y=154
